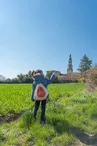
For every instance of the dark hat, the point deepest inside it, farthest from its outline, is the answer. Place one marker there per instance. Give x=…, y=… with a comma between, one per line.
x=39, y=71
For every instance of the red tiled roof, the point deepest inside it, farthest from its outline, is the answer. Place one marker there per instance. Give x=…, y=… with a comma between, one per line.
x=73, y=76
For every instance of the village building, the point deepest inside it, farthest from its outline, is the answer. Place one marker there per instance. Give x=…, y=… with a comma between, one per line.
x=70, y=76
x=70, y=66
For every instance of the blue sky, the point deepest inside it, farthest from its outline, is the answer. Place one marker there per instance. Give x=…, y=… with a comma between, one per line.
x=40, y=34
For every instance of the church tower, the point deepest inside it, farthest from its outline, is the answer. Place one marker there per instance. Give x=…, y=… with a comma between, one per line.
x=70, y=66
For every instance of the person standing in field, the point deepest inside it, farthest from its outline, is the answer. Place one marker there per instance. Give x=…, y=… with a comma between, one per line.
x=40, y=93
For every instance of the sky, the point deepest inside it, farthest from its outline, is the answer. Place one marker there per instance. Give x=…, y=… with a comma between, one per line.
x=41, y=34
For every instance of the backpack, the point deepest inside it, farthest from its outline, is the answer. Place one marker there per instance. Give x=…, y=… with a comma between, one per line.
x=40, y=92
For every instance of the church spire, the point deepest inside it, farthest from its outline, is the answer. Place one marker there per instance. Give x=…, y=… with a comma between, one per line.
x=70, y=66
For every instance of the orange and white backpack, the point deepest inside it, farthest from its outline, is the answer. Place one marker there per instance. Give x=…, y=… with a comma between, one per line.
x=40, y=92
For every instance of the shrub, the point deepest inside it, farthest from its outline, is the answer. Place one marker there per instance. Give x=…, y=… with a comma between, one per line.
x=81, y=80
x=91, y=79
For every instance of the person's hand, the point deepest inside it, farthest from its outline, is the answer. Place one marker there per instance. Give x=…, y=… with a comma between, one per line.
x=56, y=73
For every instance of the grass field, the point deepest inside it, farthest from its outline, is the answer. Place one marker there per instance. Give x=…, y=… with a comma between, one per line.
x=71, y=117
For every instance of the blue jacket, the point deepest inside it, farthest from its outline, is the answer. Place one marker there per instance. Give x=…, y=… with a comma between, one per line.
x=41, y=79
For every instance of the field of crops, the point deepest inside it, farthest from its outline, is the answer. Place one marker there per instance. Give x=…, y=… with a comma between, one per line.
x=71, y=116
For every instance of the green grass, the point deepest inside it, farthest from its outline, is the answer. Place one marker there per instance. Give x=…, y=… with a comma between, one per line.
x=15, y=98
x=71, y=116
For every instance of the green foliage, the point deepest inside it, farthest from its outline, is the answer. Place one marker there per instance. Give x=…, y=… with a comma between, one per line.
x=85, y=64
x=2, y=138
x=49, y=73
x=2, y=78
x=24, y=78
x=81, y=80
x=63, y=140
x=93, y=111
x=21, y=78
x=91, y=80
x=26, y=119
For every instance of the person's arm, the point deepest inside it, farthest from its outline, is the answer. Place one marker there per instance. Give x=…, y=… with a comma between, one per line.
x=49, y=81
x=53, y=76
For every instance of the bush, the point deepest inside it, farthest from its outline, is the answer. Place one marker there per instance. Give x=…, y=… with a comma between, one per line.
x=91, y=79
x=81, y=80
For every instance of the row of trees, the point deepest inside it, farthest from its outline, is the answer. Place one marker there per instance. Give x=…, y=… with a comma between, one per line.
x=85, y=64
x=21, y=78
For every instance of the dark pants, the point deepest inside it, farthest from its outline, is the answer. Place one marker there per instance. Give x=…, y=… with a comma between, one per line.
x=43, y=106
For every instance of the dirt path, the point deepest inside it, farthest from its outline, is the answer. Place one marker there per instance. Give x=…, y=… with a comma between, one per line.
x=88, y=140
x=9, y=118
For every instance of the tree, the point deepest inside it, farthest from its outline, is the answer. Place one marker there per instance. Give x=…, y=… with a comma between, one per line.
x=29, y=73
x=95, y=65
x=14, y=80
x=85, y=64
x=49, y=73
x=91, y=80
x=28, y=78
x=24, y=78
x=2, y=78
x=21, y=78
x=8, y=80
